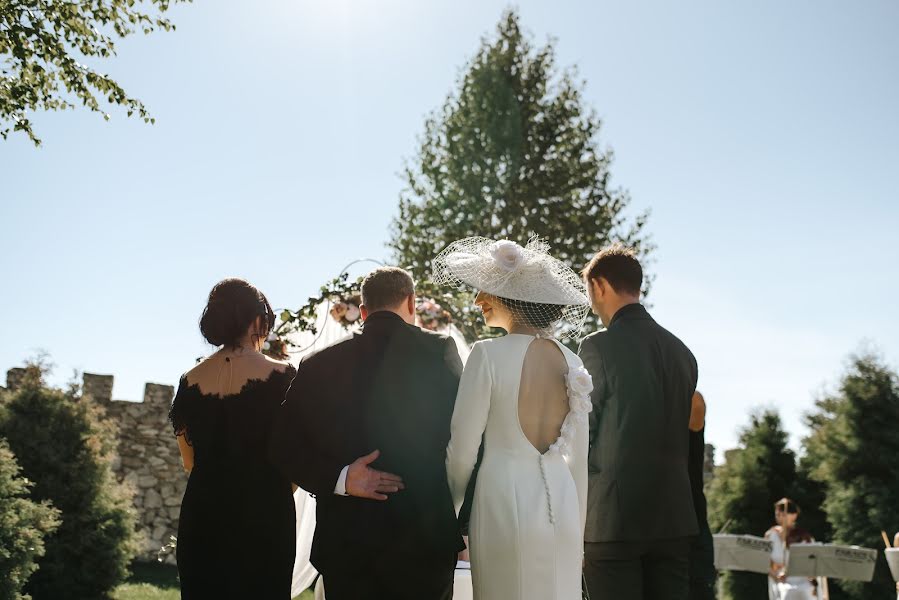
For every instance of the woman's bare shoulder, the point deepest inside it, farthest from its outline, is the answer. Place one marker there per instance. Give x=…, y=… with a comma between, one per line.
x=277, y=365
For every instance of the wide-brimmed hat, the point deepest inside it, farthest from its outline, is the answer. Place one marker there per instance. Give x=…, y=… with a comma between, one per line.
x=525, y=274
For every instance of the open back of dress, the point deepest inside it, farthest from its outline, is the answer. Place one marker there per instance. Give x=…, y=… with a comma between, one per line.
x=542, y=394
x=518, y=396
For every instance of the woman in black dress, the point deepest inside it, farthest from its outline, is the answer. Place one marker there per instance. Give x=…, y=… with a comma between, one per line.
x=237, y=526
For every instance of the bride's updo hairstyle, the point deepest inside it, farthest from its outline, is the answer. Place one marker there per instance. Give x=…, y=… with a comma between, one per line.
x=533, y=314
x=233, y=305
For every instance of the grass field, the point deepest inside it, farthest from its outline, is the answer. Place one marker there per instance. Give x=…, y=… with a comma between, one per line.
x=158, y=582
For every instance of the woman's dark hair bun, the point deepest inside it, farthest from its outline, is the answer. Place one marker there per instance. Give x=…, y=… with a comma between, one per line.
x=232, y=307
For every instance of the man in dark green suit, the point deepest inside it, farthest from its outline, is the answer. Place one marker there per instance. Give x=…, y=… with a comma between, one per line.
x=640, y=512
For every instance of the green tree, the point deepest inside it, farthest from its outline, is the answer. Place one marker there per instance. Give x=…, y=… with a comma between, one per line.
x=854, y=447
x=24, y=524
x=63, y=447
x=44, y=45
x=513, y=152
x=742, y=494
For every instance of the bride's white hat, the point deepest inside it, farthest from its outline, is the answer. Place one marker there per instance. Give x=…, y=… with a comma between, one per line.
x=526, y=275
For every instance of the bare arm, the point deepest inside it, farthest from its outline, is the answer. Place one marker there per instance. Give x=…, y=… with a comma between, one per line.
x=697, y=412
x=187, y=453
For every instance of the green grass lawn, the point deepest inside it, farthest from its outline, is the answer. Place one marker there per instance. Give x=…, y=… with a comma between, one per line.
x=158, y=582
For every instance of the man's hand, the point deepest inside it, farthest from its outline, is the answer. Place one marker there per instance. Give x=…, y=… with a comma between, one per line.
x=364, y=482
x=464, y=555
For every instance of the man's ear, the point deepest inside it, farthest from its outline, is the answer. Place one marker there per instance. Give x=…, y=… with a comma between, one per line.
x=410, y=304
x=363, y=311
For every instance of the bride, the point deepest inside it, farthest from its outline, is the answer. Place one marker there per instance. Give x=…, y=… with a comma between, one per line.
x=527, y=396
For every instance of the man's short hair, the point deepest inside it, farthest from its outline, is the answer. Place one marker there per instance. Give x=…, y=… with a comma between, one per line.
x=618, y=265
x=386, y=287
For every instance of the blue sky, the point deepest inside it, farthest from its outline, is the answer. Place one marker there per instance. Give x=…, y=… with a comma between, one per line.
x=763, y=136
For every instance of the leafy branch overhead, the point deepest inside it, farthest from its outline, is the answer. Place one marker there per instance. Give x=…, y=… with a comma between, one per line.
x=44, y=45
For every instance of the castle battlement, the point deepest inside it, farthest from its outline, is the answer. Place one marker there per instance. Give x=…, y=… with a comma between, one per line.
x=147, y=458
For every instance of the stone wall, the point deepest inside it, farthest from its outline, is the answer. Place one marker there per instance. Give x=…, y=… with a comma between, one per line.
x=147, y=456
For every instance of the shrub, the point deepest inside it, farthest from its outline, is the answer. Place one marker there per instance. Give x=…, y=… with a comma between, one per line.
x=23, y=525
x=62, y=446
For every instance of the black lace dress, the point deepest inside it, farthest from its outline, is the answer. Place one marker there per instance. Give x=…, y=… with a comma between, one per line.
x=236, y=534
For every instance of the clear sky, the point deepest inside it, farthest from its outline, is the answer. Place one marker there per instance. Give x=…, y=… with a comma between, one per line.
x=764, y=137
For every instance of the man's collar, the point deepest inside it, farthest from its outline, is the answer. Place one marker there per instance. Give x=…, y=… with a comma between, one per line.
x=630, y=311
x=383, y=316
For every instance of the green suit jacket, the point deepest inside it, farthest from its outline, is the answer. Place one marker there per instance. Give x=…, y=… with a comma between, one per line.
x=644, y=378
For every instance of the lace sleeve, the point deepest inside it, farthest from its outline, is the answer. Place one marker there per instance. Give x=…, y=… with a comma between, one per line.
x=178, y=412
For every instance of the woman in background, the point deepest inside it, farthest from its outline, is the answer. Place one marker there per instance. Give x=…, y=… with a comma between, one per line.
x=784, y=534
x=237, y=524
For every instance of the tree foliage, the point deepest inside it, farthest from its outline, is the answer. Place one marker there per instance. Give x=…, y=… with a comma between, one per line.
x=44, y=45
x=742, y=494
x=63, y=447
x=854, y=452
x=513, y=152
x=24, y=524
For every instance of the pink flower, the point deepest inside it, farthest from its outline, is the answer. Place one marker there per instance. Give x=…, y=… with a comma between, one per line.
x=352, y=313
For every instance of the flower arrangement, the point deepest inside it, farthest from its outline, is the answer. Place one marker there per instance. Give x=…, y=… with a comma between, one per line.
x=432, y=316
x=345, y=296
x=345, y=310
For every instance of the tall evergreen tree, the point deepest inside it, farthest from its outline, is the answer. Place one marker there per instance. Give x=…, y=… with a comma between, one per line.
x=513, y=152
x=742, y=494
x=854, y=450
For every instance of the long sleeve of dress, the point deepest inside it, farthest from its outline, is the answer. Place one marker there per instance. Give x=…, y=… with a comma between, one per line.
x=468, y=423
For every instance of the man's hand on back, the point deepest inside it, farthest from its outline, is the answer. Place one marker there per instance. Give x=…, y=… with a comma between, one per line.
x=363, y=481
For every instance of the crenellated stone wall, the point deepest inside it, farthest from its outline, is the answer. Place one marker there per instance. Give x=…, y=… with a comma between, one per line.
x=147, y=457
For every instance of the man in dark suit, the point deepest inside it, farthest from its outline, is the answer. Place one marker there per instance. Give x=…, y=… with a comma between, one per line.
x=640, y=514
x=386, y=395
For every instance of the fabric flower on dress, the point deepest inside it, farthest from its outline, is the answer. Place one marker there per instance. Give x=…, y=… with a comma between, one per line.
x=508, y=255
x=580, y=384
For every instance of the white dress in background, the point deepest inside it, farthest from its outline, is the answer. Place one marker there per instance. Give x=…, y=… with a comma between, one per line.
x=794, y=588
x=527, y=520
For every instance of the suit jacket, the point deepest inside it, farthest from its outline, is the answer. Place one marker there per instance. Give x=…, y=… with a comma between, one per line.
x=390, y=388
x=644, y=379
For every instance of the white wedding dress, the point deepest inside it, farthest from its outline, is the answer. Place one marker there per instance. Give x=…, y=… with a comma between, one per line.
x=527, y=520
